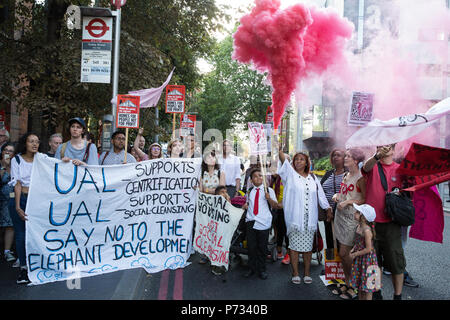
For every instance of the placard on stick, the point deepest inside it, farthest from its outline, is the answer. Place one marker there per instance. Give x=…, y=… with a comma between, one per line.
x=127, y=111
x=175, y=98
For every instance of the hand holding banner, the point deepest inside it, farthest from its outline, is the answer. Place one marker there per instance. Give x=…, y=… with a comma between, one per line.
x=216, y=220
x=90, y=220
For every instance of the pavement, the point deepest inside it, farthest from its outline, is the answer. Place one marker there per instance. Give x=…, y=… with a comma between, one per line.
x=120, y=285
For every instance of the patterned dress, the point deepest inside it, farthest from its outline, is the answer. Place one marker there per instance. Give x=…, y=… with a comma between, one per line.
x=302, y=241
x=364, y=267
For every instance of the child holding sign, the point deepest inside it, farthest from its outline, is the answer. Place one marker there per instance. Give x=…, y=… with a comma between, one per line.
x=258, y=222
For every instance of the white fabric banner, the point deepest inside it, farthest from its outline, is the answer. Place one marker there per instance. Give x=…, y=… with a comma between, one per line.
x=378, y=132
x=85, y=221
x=215, y=222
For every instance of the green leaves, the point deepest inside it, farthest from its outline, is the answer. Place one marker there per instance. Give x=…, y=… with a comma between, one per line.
x=233, y=94
x=41, y=69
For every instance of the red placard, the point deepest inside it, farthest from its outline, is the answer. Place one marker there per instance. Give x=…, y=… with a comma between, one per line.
x=187, y=124
x=127, y=111
x=3, y=120
x=269, y=115
x=175, y=98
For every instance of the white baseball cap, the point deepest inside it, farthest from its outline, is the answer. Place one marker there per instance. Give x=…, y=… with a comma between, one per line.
x=367, y=211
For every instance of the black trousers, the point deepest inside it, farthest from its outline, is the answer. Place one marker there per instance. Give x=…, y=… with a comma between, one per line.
x=280, y=224
x=328, y=234
x=257, y=247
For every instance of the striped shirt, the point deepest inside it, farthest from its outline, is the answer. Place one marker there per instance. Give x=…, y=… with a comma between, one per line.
x=329, y=189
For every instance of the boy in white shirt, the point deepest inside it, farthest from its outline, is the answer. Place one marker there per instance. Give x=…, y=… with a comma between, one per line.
x=258, y=221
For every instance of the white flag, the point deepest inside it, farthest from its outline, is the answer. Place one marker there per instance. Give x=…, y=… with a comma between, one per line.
x=378, y=133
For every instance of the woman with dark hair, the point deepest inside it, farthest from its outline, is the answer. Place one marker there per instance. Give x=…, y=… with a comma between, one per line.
x=302, y=194
x=211, y=175
x=352, y=191
x=21, y=166
x=331, y=182
x=7, y=153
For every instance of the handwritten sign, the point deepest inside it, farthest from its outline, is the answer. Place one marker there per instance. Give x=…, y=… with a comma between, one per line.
x=216, y=220
x=361, y=109
x=258, y=138
x=187, y=124
x=85, y=221
x=426, y=166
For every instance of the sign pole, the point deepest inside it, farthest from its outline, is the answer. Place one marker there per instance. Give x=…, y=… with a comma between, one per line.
x=117, y=13
x=173, y=126
x=126, y=145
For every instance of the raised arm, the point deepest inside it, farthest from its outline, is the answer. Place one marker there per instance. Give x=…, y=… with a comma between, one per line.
x=136, y=148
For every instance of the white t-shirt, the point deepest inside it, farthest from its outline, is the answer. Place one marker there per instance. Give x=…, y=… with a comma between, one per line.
x=263, y=220
x=20, y=172
x=231, y=165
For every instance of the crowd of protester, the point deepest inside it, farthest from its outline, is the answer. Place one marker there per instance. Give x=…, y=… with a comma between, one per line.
x=288, y=202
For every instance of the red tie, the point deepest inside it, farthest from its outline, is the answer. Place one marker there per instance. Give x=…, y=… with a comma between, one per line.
x=256, y=205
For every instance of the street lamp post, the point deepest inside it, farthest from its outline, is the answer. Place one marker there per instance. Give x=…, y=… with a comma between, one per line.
x=115, y=89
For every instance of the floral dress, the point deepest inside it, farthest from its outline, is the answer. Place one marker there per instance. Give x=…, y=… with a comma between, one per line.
x=363, y=267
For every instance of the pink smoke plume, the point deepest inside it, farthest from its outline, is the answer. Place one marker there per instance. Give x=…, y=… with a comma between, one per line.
x=290, y=45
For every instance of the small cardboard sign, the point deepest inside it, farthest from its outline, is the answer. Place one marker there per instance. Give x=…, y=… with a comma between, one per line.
x=333, y=266
x=175, y=98
x=269, y=115
x=127, y=111
x=258, y=138
x=361, y=109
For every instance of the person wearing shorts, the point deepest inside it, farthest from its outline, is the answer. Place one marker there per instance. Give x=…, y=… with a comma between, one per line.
x=388, y=241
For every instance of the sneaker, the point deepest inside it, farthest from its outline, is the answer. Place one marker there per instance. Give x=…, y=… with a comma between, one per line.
x=9, y=256
x=280, y=255
x=386, y=272
x=409, y=282
x=23, y=277
x=16, y=264
x=286, y=260
x=217, y=271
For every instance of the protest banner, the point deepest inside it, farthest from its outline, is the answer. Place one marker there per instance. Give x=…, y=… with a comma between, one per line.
x=361, y=109
x=259, y=144
x=380, y=133
x=90, y=220
x=216, y=220
x=429, y=215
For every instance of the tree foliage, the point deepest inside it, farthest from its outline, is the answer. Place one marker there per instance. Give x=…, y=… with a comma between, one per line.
x=233, y=94
x=41, y=68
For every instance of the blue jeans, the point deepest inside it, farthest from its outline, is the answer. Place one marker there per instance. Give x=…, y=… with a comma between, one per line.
x=19, y=227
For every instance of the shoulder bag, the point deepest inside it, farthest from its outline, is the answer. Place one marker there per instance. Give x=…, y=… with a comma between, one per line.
x=398, y=205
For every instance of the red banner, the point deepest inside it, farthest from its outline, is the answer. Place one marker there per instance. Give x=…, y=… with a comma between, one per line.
x=426, y=166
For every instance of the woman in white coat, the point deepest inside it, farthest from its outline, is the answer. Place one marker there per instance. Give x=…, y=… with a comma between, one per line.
x=301, y=197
